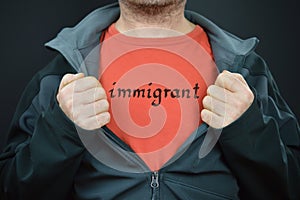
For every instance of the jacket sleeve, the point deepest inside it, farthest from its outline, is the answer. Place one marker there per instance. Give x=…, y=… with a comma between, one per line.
x=43, y=150
x=263, y=146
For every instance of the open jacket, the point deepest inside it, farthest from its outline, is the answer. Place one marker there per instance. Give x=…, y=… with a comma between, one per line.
x=256, y=157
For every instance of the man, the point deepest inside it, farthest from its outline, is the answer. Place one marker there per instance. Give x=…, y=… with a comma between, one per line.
x=71, y=137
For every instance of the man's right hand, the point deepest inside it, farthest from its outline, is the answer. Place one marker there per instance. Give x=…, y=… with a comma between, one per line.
x=84, y=101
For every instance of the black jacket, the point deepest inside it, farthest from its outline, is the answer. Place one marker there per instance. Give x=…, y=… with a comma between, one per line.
x=256, y=157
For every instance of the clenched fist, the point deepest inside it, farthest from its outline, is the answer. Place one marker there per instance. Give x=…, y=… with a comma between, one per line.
x=226, y=100
x=84, y=101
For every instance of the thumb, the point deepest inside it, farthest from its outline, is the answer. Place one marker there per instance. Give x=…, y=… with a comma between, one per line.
x=69, y=78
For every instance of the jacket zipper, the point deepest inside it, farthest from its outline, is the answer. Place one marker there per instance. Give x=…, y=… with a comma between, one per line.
x=155, y=185
x=155, y=175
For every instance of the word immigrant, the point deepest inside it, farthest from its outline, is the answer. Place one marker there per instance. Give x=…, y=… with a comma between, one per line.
x=157, y=93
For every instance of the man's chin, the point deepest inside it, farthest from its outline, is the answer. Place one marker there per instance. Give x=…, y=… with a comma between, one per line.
x=152, y=2
x=152, y=7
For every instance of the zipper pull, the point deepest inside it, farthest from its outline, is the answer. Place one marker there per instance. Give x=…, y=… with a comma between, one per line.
x=154, y=181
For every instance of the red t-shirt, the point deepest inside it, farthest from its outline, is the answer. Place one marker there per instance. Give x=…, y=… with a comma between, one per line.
x=155, y=88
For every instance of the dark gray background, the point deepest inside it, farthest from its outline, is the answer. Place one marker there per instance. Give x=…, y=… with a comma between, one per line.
x=27, y=25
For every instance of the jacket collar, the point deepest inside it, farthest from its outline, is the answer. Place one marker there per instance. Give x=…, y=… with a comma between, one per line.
x=77, y=42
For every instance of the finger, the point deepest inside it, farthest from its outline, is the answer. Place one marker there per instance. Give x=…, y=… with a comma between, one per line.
x=82, y=112
x=80, y=85
x=212, y=119
x=69, y=78
x=219, y=93
x=95, y=122
x=103, y=118
x=89, y=96
x=101, y=106
x=229, y=82
x=214, y=105
x=86, y=83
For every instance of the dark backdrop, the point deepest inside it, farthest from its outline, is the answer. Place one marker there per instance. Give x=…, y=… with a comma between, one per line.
x=27, y=25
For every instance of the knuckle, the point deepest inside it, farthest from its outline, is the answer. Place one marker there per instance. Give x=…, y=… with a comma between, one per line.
x=220, y=78
x=205, y=116
x=244, y=101
x=69, y=105
x=233, y=115
x=60, y=94
x=239, y=76
x=100, y=90
x=239, y=104
x=239, y=111
x=225, y=123
x=225, y=81
x=221, y=75
x=58, y=98
x=100, y=93
x=210, y=89
x=249, y=95
x=206, y=100
x=105, y=105
x=108, y=117
x=103, y=118
x=226, y=76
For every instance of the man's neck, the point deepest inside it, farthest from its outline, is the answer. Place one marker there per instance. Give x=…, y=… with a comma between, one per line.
x=152, y=22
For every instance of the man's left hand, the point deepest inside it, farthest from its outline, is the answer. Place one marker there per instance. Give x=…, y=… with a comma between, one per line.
x=226, y=100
